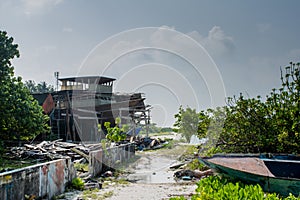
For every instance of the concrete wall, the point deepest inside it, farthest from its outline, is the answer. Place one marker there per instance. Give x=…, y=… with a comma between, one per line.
x=109, y=157
x=46, y=180
x=42, y=180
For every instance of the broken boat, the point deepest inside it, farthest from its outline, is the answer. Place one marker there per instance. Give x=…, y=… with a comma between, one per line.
x=275, y=173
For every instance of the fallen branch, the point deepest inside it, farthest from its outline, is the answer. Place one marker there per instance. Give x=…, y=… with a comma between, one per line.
x=80, y=153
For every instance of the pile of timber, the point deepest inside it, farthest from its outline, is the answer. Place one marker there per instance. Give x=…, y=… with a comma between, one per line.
x=52, y=150
x=147, y=143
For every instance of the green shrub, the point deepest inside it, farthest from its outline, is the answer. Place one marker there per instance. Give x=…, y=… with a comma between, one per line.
x=196, y=164
x=214, y=187
x=78, y=184
x=292, y=197
x=177, y=198
x=114, y=134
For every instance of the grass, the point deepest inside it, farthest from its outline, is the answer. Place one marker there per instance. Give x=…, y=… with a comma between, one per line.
x=106, y=182
x=182, y=152
x=90, y=194
x=81, y=166
x=195, y=164
x=170, y=144
x=114, y=181
x=94, y=194
x=108, y=194
x=122, y=181
x=159, y=134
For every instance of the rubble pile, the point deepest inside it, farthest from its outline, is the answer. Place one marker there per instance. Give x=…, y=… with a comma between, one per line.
x=52, y=150
x=147, y=143
x=57, y=149
x=184, y=173
x=192, y=174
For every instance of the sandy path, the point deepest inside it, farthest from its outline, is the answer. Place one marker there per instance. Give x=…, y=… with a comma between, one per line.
x=150, y=179
x=154, y=180
x=142, y=191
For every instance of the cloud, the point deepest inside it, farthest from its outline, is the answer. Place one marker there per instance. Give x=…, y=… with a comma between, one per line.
x=217, y=43
x=162, y=61
x=67, y=30
x=47, y=48
x=39, y=6
x=262, y=28
x=294, y=55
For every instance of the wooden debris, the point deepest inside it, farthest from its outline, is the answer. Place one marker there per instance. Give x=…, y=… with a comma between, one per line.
x=52, y=150
x=180, y=195
x=199, y=174
x=192, y=173
x=80, y=153
x=147, y=143
x=176, y=166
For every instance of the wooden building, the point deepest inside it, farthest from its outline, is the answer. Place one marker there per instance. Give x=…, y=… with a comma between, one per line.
x=83, y=103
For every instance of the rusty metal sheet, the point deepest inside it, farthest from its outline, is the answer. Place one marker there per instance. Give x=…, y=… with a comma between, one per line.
x=246, y=164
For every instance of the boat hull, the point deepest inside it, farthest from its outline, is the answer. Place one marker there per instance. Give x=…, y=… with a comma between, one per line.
x=270, y=183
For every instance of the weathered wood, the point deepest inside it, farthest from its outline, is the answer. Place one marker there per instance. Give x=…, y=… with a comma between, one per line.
x=80, y=153
x=51, y=150
x=42, y=144
x=66, y=144
x=30, y=146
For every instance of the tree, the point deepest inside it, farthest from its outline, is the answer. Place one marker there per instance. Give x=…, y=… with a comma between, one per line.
x=270, y=126
x=284, y=109
x=21, y=117
x=41, y=87
x=178, y=118
x=249, y=125
x=166, y=129
x=187, y=122
x=31, y=86
x=152, y=128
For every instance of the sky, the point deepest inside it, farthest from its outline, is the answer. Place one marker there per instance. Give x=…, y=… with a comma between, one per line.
x=192, y=53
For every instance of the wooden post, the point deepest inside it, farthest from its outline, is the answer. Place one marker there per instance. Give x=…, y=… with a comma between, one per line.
x=147, y=120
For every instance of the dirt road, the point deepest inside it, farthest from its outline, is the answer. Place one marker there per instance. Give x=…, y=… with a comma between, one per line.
x=149, y=178
x=152, y=179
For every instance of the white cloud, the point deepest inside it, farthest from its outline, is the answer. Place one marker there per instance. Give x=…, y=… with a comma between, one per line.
x=162, y=58
x=217, y=43
x=38, y=6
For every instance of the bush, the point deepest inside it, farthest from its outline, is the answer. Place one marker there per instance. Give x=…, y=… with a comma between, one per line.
x=78, y=184
x=250, y=125
x=215, y=187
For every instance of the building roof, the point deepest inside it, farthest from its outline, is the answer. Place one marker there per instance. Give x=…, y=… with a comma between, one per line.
x=88, y=79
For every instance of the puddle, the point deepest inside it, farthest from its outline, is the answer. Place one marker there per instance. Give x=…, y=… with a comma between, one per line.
x=151, y=168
